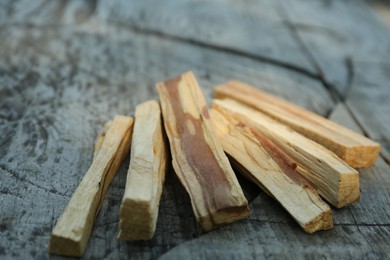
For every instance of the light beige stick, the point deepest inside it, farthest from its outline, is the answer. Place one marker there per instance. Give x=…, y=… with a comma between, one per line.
x=146, y=175
x=357, y=150
x=337, y=182
x=271, y=169
x=71, y=233
x=197, y=155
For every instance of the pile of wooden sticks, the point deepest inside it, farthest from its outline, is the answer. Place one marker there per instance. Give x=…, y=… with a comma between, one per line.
x=297, y=157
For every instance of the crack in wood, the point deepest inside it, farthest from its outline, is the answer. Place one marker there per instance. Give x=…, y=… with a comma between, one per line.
x=294, y=32
x=385, y=159
x=362, y=233
x=350, y=77
x=215, y=47
x=362, y=128
x=272, y=221
x=332, y=91
x=236, y=52
x=335, y=224
x=23, y=179
x=177, y=239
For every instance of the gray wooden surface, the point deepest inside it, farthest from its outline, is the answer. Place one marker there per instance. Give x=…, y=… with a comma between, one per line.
x=68, y=66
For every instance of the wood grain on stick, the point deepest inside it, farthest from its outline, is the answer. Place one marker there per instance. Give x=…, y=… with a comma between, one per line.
x=337, y=182
x=197, y=155
x=272, y=170
x=357, y=150
x=71, y=233
x=146, y=175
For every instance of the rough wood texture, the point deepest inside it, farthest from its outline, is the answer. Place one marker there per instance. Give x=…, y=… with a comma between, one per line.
x=146, y=175
x=66, y=67
x=355, y=149
x=331, y=37
x=71, y=233
x=197, y=156
x=368, y=99
x=266, y=165
x=336, y=181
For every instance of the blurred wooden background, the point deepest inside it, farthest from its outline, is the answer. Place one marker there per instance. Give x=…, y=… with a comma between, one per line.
x=68, y=66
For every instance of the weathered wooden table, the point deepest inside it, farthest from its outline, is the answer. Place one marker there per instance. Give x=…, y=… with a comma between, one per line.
x=68, y=66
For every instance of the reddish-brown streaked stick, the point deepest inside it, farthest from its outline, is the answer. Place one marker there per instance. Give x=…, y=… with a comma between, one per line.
x=262, y=162
x=197, y=155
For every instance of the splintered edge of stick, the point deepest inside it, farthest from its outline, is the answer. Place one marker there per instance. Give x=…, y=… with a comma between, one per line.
x=336, y=182
x=70, y=235
x=262, y=162
x=146, y=175
x=355, y=149
x=197, y=156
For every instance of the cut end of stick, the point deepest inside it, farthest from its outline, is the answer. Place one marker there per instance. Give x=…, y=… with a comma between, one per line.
x=363, y=156
x=323, y=221
x=137, y=220
x=224, y=216
x=64, y=246
x=349, y=189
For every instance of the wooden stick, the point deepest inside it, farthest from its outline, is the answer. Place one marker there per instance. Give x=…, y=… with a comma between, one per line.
x=272, y=169
x=146, y=175
x=71, y=233
x=197, y=156
x=357, y=150
x=337, y=182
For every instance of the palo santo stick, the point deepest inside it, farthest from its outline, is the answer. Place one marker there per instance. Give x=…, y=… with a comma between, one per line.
x=355, y=149
x=146, y=175
x=71, y=233
x=197, y=156
x=337, y=182
x=270, y=168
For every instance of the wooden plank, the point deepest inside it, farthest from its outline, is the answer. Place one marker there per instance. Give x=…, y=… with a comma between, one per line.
x=266, y=165
x=341, y=115
x=283, y=240
x=385, y=153
x=355, y=149
x=146, y=175
x=368, y=99
x=197, y=156
x=330, y=35
x=152, y=52
x=373, y=185
x=209, y=21
x=335, y=180
x=40, y=12
x=62, y=73
x=71, y=233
